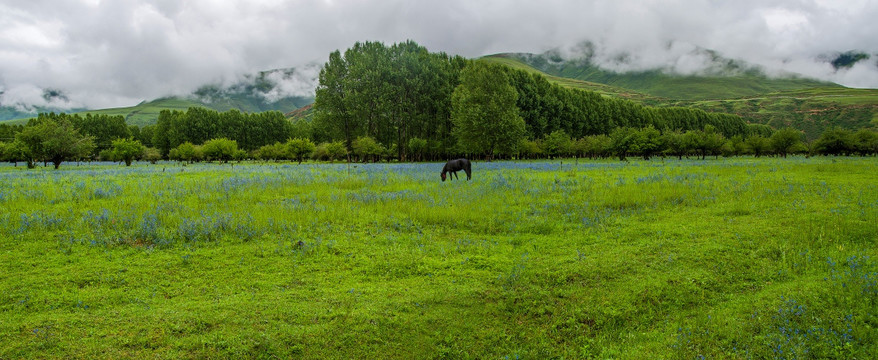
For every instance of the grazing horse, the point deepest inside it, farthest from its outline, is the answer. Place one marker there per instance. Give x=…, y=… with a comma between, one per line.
x=454, y=166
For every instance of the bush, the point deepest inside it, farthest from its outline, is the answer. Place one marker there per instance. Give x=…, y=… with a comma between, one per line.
x=834, y=141
x=418, y=148
x=336, y=150
x=557, y=143
x=152, y=155
x=108, y=155
x=185, y=152
x=366, y=148
x=127, y=150
x=330, y=151
x=221, y=149
x=276, y=151
x=299, y=148
x=786, y=141
x=757, y=145
x=865, y=142
x=529, y=149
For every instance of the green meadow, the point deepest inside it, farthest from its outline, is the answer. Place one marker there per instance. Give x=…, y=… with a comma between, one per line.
x=724, y=258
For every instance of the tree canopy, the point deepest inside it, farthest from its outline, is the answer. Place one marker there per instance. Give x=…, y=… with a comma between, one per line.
x=53, y=139
x=484, y=112
x=401, y=92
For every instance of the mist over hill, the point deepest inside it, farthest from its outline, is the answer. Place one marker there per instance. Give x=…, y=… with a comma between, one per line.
x=682, y=73
x=715, y=84
x=847, y=59
x=279, y=89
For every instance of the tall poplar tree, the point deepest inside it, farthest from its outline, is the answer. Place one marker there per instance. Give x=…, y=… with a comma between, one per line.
x=330, y=101
x=484, y=111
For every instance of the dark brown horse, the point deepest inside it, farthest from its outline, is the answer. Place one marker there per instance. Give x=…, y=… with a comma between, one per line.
x=454, y=166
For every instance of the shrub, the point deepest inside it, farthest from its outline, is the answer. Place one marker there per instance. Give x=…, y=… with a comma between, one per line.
x=221, y=149
x=299, y=148
x=127, y=150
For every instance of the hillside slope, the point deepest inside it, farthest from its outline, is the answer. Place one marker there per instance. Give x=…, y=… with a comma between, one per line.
x=808, y=105
x=604, y=89
x=724, y=79
x=280, y=90
x=810, y=110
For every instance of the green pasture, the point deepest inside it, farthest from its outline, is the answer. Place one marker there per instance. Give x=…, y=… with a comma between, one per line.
x=732, y=258
x=146, y=113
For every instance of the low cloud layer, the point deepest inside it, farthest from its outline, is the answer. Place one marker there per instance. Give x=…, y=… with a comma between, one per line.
x=105, y=53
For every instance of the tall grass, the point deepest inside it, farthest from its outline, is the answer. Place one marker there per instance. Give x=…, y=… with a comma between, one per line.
x=740, y=258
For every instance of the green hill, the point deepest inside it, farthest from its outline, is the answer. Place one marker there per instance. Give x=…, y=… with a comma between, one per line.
x=16, y=114
x=255, y=93
x=805, y=104
x=810, y=110
x=724, y=80
x=146, y=113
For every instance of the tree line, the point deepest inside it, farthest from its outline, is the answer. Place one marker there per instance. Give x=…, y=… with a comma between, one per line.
x=54, y=138
x=402, y=93
x=648, y=142
x=402, y=102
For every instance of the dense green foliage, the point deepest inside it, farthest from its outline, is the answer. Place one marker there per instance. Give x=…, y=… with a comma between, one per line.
x=105, y=129
x=737, y=258
x=198, y=125
x=806, y=105
x=622, y=142
x=52, y=140
x=484, y=111
x=221, y=149
x=548, y=107
x=298, y=148
x=102, y=129
x=811, y=111
x=127, y=149
x=393, y=94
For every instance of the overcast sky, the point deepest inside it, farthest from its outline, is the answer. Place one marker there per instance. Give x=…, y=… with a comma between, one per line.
x=104, y=53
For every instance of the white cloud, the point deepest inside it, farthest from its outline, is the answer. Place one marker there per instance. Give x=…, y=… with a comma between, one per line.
x=301, y=82
x=117, y=53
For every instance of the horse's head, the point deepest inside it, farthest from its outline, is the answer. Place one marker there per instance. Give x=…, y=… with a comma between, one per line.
x=442, y=175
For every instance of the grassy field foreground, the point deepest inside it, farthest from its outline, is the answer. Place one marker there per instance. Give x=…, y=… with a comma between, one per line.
x=729, y=258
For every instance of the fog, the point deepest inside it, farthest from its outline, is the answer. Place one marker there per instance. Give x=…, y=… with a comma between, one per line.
x=117, y=53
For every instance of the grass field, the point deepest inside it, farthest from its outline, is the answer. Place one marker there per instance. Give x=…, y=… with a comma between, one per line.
x=147, y=113
x=729, y=258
